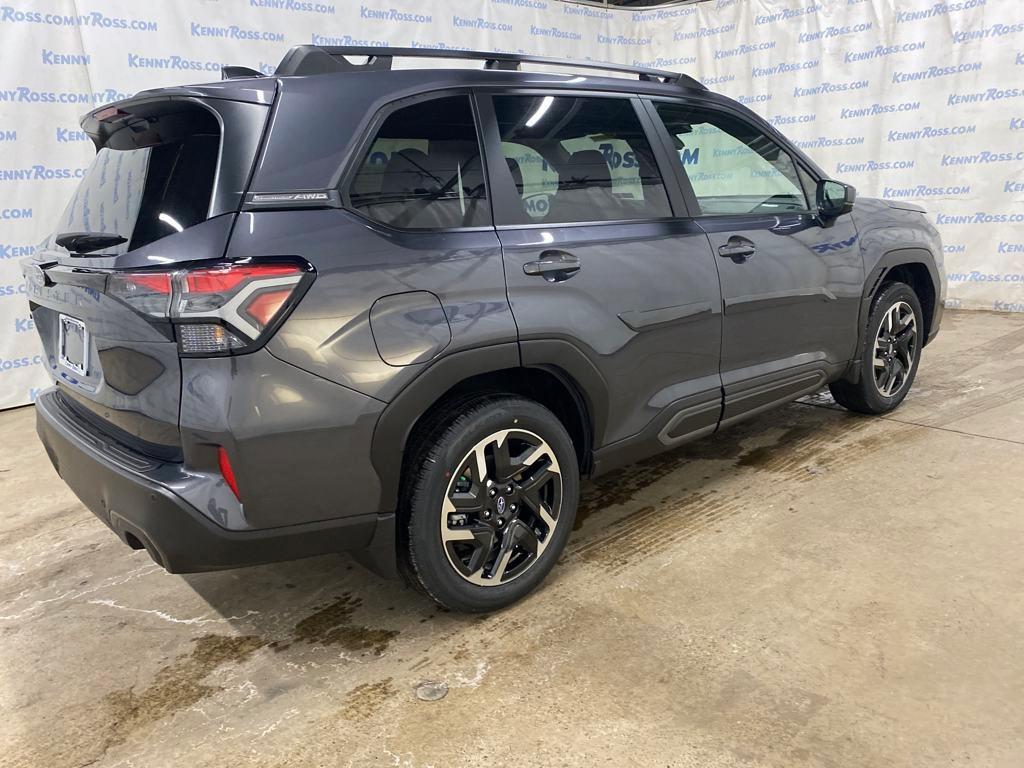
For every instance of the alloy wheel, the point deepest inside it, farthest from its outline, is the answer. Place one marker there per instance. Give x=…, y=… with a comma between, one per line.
x=501, y=507
x=896, y=347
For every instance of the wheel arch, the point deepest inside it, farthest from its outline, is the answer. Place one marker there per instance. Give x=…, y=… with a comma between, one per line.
x=914, y=266
x=546, y=374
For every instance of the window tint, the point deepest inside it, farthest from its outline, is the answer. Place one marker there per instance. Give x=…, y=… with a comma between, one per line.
x=423, y=169
x=578, y=159
x=732, y=166
x=147, y=193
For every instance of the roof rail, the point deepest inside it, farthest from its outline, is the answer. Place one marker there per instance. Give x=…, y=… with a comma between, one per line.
x=318, y=60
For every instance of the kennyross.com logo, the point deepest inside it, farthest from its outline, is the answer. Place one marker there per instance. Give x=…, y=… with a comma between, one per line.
x=923, y=190
x=24, y=95
x=234, y=32
x=555, y=32
x=40, y=173
x=622, y=40
x=982, y=158
x=985, y=33
x=929, y=132
x=11, y=363
x=978, y=97
x=867, y=166
x=462, y=22
x=871, y=110
x=302, y=6
x=393, y=14
x=832, y=31
x=54, y=58
x=362, y=42
x=94, y=19
x=881, y=51
x=137, y=61
x=822, y=88
x=981, y=217
x=9, y=251
x=938, y=9
x=935, y=71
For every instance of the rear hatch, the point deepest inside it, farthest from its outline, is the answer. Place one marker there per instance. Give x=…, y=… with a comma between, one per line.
x=161, y=195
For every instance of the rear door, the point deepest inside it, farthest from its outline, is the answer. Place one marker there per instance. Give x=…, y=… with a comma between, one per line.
x=596, y=262
x=791, y=284
x=163, y=189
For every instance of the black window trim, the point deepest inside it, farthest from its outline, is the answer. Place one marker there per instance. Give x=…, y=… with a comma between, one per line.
x=679, y=173
x=354, y=162
x=500, y=194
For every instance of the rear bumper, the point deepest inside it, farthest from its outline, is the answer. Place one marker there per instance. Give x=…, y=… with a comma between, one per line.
x=129, y=493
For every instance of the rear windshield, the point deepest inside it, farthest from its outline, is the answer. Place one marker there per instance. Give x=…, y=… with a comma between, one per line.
x=144, y=193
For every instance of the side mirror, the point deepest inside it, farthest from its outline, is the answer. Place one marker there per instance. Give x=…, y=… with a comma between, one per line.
x=834, y=198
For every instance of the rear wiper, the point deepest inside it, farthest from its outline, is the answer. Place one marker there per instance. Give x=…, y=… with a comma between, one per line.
x=87, y=242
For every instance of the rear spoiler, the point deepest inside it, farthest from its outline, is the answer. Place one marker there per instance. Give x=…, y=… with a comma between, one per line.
x=231, y=72
x=134, y=112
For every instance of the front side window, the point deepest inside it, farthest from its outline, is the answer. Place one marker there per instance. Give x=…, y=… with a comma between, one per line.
x=575, y=159
x=732, y=166
x=423, y=169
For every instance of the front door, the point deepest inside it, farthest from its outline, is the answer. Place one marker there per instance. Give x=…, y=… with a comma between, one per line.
x=791, y=284
x=596, y=262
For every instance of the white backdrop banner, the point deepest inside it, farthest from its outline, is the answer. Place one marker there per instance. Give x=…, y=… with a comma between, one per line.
x=912, y=99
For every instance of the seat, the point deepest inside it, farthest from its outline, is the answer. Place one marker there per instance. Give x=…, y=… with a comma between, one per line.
x=584, y=188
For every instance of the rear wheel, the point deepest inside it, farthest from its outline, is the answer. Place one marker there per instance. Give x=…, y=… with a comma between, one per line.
x=895, y=335
x=492, y=503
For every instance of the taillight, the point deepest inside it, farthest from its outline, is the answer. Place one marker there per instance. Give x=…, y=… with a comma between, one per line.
x=217, y=310
x=146, y=292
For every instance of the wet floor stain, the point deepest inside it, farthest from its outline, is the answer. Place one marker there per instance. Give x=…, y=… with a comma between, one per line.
x=764, y=455
x=332, y=625
x=177, y=686
x=797, y=453
x=652, y=530
x=621, y=486
x=366, y=700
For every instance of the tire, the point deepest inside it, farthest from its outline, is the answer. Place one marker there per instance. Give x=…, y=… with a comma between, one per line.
x=497, y=545
x=890, y=356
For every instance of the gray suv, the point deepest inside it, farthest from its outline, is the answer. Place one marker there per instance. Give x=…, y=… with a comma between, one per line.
x=402, y=311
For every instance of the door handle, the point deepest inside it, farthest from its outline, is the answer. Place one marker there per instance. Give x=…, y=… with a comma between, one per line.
x=554, y=266
x=739, y=249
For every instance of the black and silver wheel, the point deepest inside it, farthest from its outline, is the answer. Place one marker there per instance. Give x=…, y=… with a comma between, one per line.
x=493, y=503
x=895, y=335
x=895, y=349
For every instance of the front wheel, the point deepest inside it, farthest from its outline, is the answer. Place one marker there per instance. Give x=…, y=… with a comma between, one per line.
x=492, y=503
x=895, y=335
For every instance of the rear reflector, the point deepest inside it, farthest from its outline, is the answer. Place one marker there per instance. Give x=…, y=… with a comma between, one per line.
x=226, y=472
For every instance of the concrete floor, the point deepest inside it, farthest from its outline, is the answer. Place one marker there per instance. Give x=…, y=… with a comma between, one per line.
x=810, y=588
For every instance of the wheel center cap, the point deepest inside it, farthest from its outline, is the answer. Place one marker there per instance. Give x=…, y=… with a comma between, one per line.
x=500, y=504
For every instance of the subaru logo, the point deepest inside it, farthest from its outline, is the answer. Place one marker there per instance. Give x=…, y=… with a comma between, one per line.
x=501, y=505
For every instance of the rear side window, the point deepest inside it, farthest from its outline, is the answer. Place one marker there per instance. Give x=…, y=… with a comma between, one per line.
x=144, y=193
x=578, y=159
x=423, y=169
x=733, y=167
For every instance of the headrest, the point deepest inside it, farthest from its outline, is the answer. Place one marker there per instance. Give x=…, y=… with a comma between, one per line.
x=407, y=171
x=586, y=168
